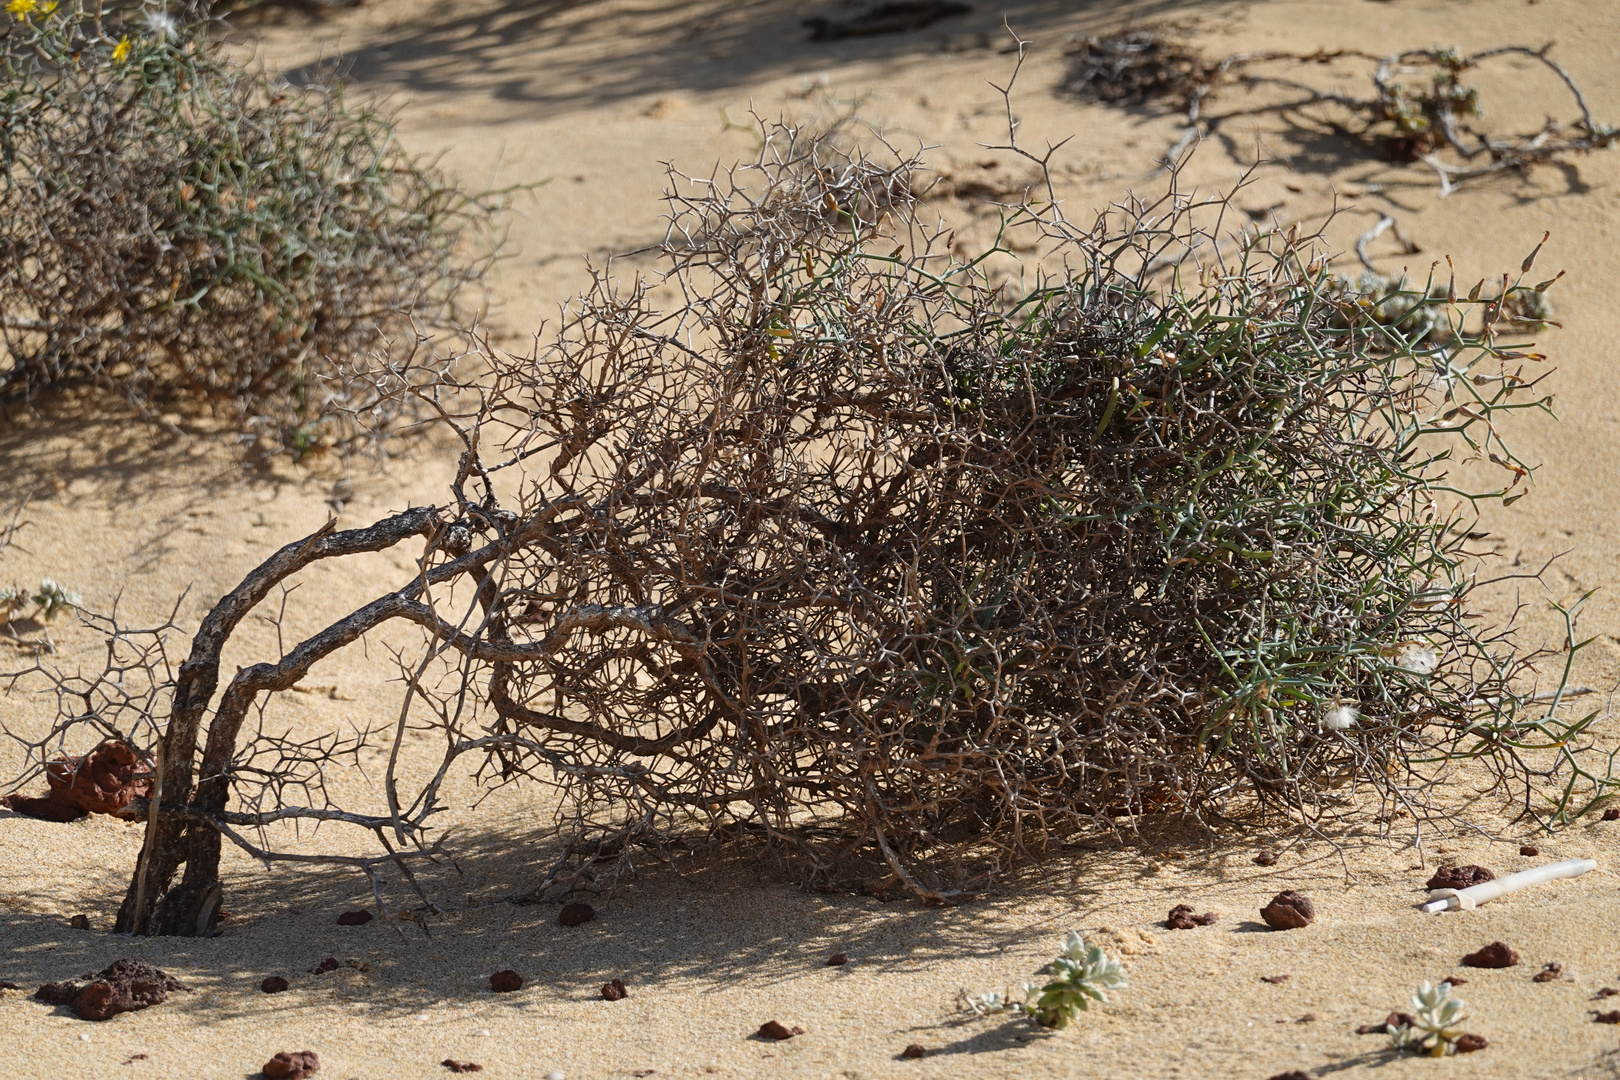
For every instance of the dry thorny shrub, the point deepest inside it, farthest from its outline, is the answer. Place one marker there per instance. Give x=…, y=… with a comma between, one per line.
x=899, y=573
x=195, y=235
x=1431, y=119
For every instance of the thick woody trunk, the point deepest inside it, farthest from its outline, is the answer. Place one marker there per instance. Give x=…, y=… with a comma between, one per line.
x=155, y=903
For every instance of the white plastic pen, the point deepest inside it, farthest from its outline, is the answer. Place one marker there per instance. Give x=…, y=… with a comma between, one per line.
x=1471, y=897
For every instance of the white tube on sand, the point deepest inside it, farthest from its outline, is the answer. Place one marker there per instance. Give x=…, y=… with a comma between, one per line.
x=1471, y=897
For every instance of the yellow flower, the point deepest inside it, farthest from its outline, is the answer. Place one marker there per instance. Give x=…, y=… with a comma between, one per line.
x=21, y=8
x=120, y=51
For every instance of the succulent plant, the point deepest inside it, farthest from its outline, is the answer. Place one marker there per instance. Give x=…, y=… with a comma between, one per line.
x=1080, y=975
x=52, y=600
x=1434, y=1030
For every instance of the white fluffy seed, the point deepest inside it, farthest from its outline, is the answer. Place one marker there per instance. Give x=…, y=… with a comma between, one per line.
x=1416, y=658
x=1339, y=718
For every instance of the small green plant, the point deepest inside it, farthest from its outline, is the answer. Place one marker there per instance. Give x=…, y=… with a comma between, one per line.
x=1434, y=1030
x=1080, y=975
x=51, y=600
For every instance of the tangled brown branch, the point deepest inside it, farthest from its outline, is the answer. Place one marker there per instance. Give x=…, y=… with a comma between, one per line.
x=1433, y=122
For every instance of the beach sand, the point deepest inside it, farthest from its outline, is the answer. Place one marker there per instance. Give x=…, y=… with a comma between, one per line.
x=589, y=99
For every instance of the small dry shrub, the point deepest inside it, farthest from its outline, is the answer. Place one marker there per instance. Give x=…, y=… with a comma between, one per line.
x=196, y=235
x=1432, y=118
x=1141, y=65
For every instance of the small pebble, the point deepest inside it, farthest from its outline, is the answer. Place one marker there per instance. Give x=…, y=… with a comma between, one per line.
x=481, y=1033
x=84, y=1038
x=421, y=1016
x=576, y=914
x=1611, y=815
x=837, y=959
x=555, y=1074
x=915, y=1050
x=1527, y=850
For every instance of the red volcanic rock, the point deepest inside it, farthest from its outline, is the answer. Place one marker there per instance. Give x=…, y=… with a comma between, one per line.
x=461, y=1066
x=123, y=986
x=329, y=964
x=354, y=918
x=293, y=1065
x=274, y=984
x=1182, y=918
x=1494, y=955
x=775, y=1029
x=576, y=914
x=837, y=959
x=614, y=990
x=104, y=781
x=915, y=1050
x=1459, y=877
x=505, y=982
x=1289, y=910
x=1467, y=1044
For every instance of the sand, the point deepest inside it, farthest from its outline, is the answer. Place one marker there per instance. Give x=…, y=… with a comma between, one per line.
x=589, y=99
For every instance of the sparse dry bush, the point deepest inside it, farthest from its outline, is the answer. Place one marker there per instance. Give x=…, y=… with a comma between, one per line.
x=194, y=235
x=901, y=573
x=1433, y=118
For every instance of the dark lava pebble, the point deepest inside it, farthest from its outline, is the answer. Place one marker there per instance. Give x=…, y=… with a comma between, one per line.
x=1182, y=918
x=461, y=1066
x=1392, y=1023
x=1274, y=980
x=274, y=984
x=1292, y=1074
x=1467, y=1044
x=1266, y=858
x=915, y=1050
x=1459, y=877
x=1611, y=815
x=1494, y=955
x=1606, y=1017
x=576, y=914
x=774, y=1029
x=505, y=982
x=1526, y=849
x=293, y=1065
x=329, y=964
x=80, y=922
x=1548, y=973
x=837, y=959
x=124, y=986
x=1289, y=910
x=614, y=990
x=354, y=918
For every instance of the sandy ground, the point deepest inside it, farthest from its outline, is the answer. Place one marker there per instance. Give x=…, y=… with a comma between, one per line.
x=590, y=98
